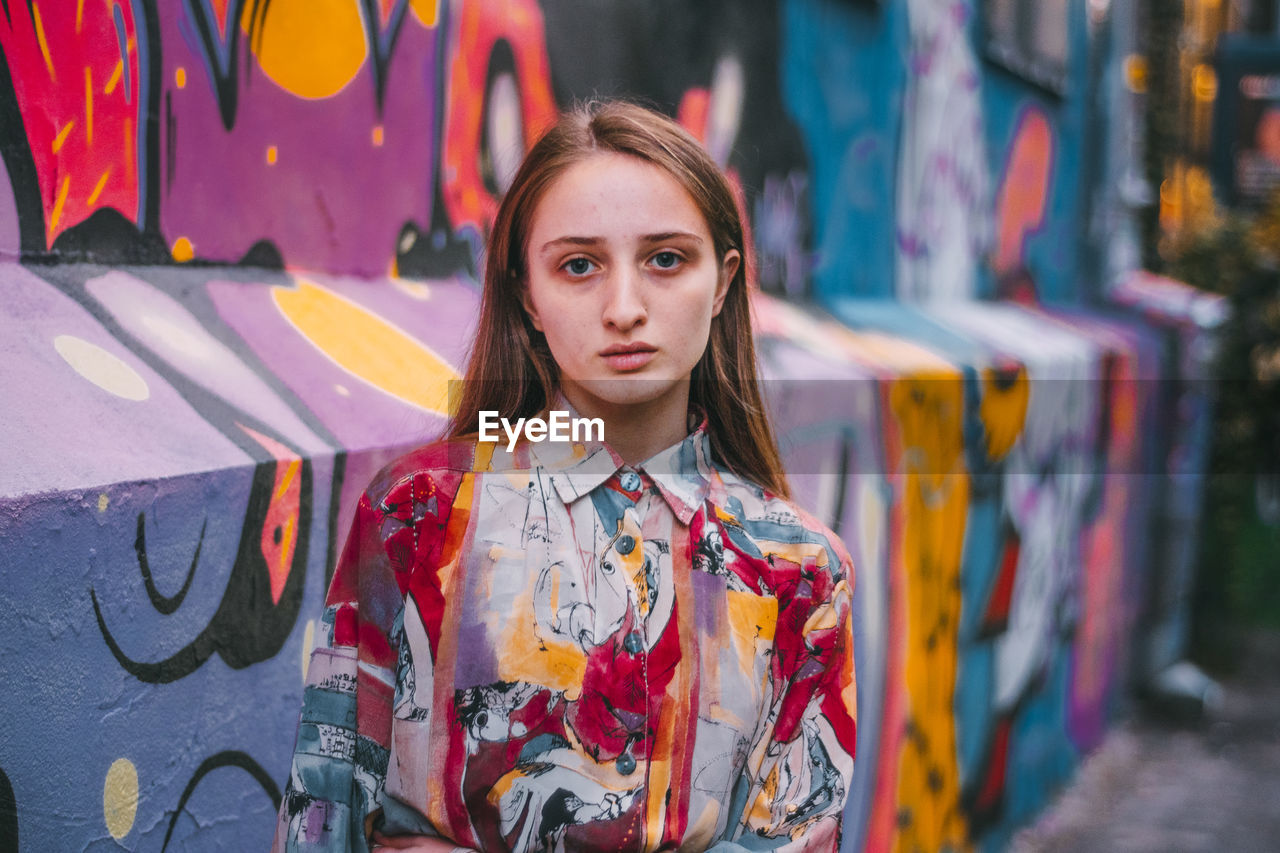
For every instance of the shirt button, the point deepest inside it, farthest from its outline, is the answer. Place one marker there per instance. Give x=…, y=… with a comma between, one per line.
x=633, y=642
x=625, y=764
x=630, y=481
x=626, y=544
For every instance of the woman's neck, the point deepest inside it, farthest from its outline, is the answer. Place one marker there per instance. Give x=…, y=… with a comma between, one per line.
x=637, y=431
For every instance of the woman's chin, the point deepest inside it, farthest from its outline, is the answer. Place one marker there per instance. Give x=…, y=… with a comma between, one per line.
x=629, y=391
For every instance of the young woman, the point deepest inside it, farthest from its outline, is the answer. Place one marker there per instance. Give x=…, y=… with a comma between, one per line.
x=635, y=643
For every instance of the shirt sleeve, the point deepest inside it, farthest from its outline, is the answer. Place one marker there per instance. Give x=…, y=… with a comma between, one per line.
x=801, y=765
x=340, y=757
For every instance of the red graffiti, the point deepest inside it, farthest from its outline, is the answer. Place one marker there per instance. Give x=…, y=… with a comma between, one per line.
x=280, y=527
x=1023, y=198
x=489, y=42
x=77, y=82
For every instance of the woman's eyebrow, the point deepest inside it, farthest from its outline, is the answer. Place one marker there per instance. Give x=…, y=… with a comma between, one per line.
x=670, y=235
x=569, y=241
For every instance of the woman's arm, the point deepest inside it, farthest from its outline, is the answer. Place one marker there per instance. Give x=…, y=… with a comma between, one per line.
x=340, y=758
x=800, y=769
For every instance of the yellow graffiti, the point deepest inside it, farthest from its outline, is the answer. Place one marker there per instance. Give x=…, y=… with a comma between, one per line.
x=44, y=42
x=183, y=250
x=928, y=407
x=929, y=410
x=114, y=79
x=311, y=48
x=120, y=797
x=62, y=135
x=1003, y=408
x=367, y=346
x=98, y=188
x=426, y=11
x=88, y=105
x=57, y=205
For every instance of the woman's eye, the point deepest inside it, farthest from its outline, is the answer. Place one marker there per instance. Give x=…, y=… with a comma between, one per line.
x=666, y=260
x=578, y=266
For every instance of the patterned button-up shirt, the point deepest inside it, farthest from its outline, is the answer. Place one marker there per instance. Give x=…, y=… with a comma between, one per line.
x=548, y=649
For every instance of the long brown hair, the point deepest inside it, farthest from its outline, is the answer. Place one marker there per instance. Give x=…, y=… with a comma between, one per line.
x=511, y=369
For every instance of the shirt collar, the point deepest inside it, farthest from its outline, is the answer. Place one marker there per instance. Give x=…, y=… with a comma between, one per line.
x=682, y=472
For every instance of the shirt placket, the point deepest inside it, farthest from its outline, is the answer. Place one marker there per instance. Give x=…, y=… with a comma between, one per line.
x=627, y=547
x=643, y=515
x=638, y=642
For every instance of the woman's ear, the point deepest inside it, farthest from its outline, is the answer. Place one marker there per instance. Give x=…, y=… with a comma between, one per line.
x=728, y=269
x=527, y=303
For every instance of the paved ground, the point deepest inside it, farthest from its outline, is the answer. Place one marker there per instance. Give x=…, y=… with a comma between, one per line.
x=1163, y=787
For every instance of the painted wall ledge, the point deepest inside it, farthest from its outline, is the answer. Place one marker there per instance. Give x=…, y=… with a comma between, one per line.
x=184, y=447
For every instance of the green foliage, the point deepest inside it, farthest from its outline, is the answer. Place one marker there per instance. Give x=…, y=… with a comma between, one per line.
x=1239, y=576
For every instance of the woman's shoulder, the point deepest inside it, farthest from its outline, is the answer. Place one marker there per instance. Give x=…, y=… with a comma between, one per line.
x=441, y=463
x=780, y=521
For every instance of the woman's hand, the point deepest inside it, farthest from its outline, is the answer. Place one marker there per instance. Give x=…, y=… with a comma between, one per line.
x=416, y=844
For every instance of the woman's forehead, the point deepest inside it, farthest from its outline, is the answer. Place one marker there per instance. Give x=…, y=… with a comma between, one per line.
x=615, y=196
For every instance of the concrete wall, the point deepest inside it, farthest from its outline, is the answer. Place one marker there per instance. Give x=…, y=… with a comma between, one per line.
x=239, y=248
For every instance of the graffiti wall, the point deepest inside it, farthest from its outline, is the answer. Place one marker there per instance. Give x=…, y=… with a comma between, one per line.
x=1001, y=577
x=191, y=443
x=187, y=450
x=878, y=151
x=238, y=259
x=357, y=137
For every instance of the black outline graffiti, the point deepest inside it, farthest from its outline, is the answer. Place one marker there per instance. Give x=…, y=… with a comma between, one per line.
x=107, y=236
x=335, y=504
x=226, y=87
x=226, y=78
x=170, y=143
x=15, y=148
x=248, y=626
x=373, y=36
x=437, y=253
x=226, y=758
x=8, y=805
x=502, y=60
x=162, y=603
x=150, y=166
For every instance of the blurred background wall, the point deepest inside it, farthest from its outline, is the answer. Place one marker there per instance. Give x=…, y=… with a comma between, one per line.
x=239, y=245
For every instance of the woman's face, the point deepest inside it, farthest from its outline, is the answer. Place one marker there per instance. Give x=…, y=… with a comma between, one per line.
x=623, y=281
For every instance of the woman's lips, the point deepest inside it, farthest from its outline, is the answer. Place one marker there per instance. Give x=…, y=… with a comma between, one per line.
x=629, y=358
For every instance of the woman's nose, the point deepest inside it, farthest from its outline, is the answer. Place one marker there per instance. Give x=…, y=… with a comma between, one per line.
x=624, y=303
